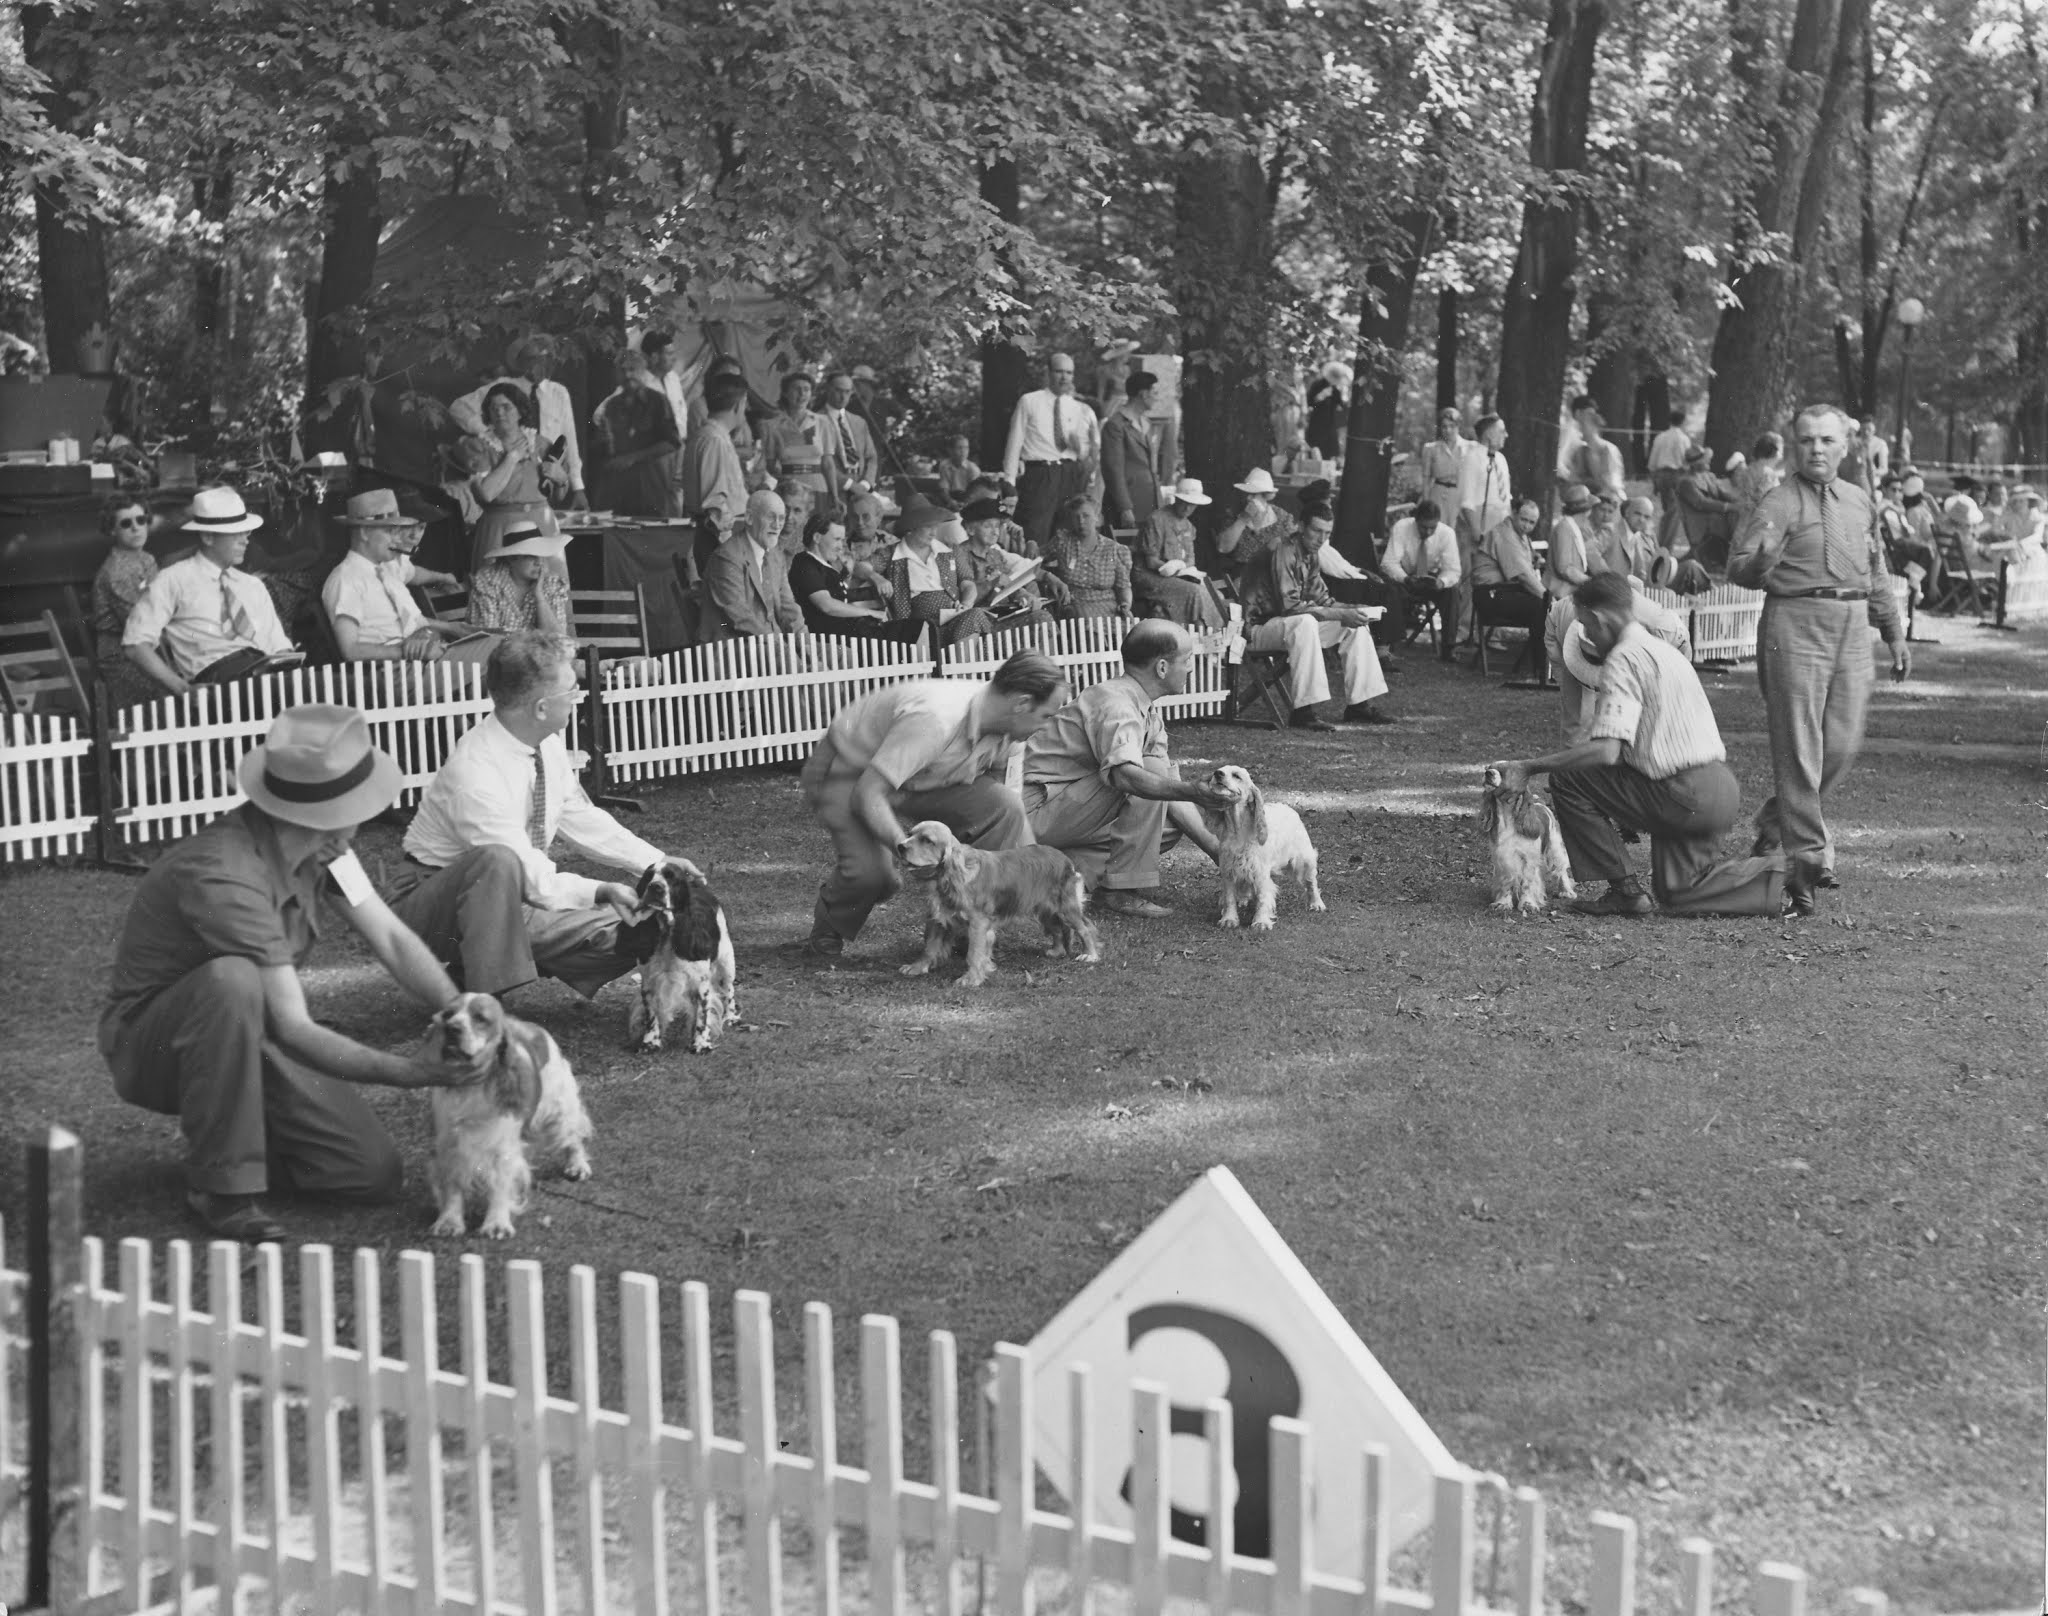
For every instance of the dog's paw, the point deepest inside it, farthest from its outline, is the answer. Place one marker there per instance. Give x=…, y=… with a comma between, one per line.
x=973, y=979
x=1567, y=889
x=449, y=1226
x=497, y=1228
x=650, y=1039
x=1504, y=902
x=576, y=1167
x=1263, y=924
x=1317, y=905
x=1532, y=906
x=1228, y=922
x=914, y=968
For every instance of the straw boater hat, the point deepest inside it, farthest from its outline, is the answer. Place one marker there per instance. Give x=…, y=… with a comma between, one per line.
x=377, y=508
x=527, y=539
x=1188, y=491
x=1577, y=499
x=220, y=510
x=1257, y=481
x=317, y=768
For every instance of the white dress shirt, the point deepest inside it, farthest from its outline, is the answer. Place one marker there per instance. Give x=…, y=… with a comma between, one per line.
x=1668, y=449
x=481, y=797
x=924, y=569
x=180, y=614
x=1484, y=493
x=373, y=593
x=557, y=419
x=678, y=398
x=1034, y=435
x=1410, y=555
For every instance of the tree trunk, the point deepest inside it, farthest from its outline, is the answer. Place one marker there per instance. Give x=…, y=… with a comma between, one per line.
x=1222, y=282
x=1653, y=404
x=1384, y=309
x=1005, y=367
x=71, y=246
x=213, y=190
x=1536, y=322
x=1752, y=355
x=1447, y=349
x=1612, y=381
x=604, y=132
x=351, y=215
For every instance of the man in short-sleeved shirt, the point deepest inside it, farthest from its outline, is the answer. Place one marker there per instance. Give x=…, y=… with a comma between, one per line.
x=925, y=749
x=1097, y=781
x=206, y=1018
x=1651, y=760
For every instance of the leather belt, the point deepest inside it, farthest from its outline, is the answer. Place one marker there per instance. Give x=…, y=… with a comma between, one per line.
x=1828, y=594
x=1068, y=461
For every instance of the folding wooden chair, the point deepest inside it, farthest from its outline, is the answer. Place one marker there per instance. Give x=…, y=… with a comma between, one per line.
x=1265, y=672
x=1483, y=631
x=37, y=674
x=612, y=622
x=1963, y=590
x=442, y=603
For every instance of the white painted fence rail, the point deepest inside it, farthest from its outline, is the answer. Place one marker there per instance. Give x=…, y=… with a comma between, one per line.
x=740, y=702
x=309, y=1472
x=44, y=808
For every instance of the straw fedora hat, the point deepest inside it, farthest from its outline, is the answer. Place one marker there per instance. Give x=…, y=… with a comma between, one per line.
x=220, y=510
x=1578, y=656
x=921, y=513
x=1188, y=491
x=527, y=539
x=1577, y=499
x=1258, y=481
x=377, y=508
x=317, y=768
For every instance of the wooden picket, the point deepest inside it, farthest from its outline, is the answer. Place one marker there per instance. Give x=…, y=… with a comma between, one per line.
x=1089, y=648
x=735, y=703
x=292, y=1497
x=44, y=812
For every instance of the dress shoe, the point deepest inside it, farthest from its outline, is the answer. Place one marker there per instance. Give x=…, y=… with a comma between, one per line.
x=1135, y=905
x=233, y=1217
x=1305, y=718
x=1366, y=712
x=1827, y=881
x=1616, y=900
x=824, y=947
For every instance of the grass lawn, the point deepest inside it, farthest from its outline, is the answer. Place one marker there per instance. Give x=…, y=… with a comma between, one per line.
x=1733, y=1226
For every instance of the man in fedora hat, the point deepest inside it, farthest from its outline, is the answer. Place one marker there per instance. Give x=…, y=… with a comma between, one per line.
x=206, y=1018
x=374, y=619
x=203, y=620
x=1572, y=556
x=1050, y=456
x=478, y=883
x=529, y=360
x=1648, y=758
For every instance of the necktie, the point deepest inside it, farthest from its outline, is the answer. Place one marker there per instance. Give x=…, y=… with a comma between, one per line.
x=234, y=621
x=537, y=807
x=396, y=595
x=1837, y=549
x=1060, y=440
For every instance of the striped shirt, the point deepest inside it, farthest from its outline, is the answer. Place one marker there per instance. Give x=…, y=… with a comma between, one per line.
x=1650, y=700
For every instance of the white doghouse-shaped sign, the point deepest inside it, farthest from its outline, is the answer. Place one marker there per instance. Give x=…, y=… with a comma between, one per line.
x=1210, y=1302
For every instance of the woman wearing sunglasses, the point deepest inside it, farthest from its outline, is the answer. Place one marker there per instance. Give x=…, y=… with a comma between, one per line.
x=124, y=577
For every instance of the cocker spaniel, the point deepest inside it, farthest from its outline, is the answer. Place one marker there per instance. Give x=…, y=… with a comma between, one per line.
x=482, y=1130
x=691, y=971
x=1260, y=840
x=1529, y=860
x=971, y=891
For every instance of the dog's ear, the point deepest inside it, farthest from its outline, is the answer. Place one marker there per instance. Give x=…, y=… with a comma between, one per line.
x=1489, y=812
x=1530, y=817
x=1258, y=803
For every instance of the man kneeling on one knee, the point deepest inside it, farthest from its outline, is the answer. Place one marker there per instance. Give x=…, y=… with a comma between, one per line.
x=923, y=749
x=1650, y=759
x=478, y=884
x=1290, y=610
x=206, y=1019
x=1097, y=781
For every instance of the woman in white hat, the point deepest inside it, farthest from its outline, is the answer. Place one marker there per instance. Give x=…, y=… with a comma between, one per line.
x=1257, y=528
x=1165, y=582
x=522, y=584
x=206, y=1016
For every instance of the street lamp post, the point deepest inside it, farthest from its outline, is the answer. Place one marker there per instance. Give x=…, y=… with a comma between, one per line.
x=1910, y=314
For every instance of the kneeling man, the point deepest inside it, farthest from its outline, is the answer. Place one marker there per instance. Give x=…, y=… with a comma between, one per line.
x=206, y=1019
x=923, y=749
x=1652, y=761
x=478, y=884
x=1097, y=782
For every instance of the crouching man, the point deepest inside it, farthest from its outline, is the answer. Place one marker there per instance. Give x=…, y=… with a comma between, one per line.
x=1097, y=781
x=1651, y=760
x=207, y=1020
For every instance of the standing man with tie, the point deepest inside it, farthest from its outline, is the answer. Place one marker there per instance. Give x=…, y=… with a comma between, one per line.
x=1812, y=546
x=1052, y=450
x=477, y=884
x=1485, y=499
x=853, y=443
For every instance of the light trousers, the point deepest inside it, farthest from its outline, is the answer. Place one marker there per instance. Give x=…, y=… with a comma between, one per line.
x=1813, y=663
x=1304, y=638
x=1114, y=840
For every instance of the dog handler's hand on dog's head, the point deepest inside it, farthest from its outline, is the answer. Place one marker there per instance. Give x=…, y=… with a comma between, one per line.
x=624, y=901
x=1514, y=776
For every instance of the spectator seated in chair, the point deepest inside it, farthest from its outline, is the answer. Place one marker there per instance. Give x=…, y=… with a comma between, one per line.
x=1289, y=608
x=523, y=585
x=925, y=580
x=1165, y=582
x=203, y=620
x=818, y=579
x=990, y=568
x=1421, y=562
x=1093, y=566
x=1706, y=515
x=750, y=595
x=1507, y=590
x=374, y=618
x=123, y=579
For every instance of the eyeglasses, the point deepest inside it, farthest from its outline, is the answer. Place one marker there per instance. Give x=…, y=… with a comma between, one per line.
x=131, y=521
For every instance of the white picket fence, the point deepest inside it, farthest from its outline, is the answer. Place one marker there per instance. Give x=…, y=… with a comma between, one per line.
x=44, y=808
x=740, y=702
x=298, y=1471
x=1088, y=648
x=1724, y=622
